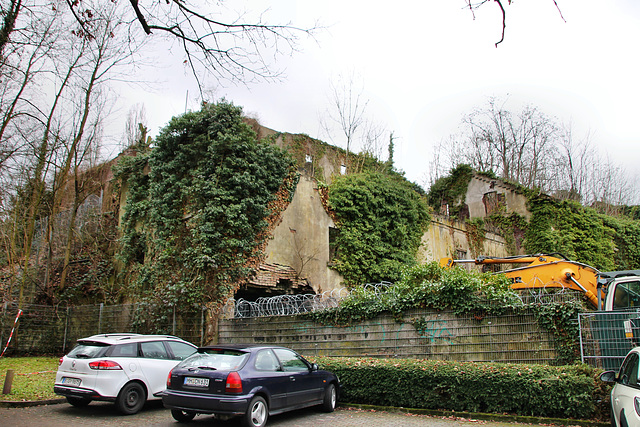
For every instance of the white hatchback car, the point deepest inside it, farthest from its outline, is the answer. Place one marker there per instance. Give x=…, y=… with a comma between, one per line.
x=127, y=369
x=625, y=394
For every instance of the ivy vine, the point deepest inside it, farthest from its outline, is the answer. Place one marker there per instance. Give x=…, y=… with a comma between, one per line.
x=451, y=190
x=426, y=286
x=476, y=236
x=195, y=223
x=567, y=227
x=381, y=221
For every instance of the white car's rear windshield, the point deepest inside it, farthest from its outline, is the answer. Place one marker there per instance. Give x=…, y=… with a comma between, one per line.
x=88, y=350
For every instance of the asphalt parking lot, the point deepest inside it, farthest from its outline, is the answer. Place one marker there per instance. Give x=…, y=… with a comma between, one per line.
x=100, y=414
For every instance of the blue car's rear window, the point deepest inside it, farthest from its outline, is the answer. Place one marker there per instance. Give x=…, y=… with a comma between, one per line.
x=225, y=360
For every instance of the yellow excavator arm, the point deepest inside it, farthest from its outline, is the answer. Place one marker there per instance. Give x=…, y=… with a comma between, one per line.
x=543, y=271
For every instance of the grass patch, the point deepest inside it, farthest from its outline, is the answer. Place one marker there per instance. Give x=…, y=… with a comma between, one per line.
x=33, y=379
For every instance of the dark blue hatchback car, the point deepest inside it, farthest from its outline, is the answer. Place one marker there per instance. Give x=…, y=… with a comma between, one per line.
x=248, y=381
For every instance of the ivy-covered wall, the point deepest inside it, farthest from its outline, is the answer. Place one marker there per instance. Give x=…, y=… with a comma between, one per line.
x=547, y=225
x=582, y=234
x=199, y=208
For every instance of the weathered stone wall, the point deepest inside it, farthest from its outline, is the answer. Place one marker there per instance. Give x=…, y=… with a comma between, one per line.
x=480, y=186
x=448, y=238
x=421, y=334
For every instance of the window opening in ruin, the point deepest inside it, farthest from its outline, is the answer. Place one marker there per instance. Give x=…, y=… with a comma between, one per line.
x=494, y=202
x=333, y=237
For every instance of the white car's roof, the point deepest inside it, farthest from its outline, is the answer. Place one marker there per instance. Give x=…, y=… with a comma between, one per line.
x=125, y=337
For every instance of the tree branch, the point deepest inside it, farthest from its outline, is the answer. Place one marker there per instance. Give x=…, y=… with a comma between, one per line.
x=140, y=16
x=83, y=24
x=504, y=20
x=473, y=6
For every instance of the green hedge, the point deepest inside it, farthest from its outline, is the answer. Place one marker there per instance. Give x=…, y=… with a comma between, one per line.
x=528, y=390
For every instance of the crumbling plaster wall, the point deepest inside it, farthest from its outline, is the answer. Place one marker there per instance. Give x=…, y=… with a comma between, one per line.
x=479, y=185
x=448, y=238
x=301, y=239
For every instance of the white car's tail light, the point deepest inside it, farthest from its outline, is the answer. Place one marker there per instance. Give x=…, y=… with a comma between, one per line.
x=105, y=365
x=636, y=405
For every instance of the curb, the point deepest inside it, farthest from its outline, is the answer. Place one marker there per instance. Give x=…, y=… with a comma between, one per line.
x=481, y=416
x=25, y=404
x=417, y=411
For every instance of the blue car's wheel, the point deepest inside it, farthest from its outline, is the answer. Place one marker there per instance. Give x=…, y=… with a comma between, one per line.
x=182, y=416
x=330, y=398
x=257, y=413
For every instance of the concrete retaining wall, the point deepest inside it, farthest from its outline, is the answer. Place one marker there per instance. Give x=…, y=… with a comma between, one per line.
x=420, y=334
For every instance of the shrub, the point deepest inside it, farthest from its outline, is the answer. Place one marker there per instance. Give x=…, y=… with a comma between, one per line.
x=525, y=390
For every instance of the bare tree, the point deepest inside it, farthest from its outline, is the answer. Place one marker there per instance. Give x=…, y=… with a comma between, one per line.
x=447, y=154
x=135, y=128
x=574, y=165
x=473, y=5
x=531, y=149
x=347, y=107
x=516, y=147
x=215, y=41
x=102, y=55
x=373, y=141
x=50, y=111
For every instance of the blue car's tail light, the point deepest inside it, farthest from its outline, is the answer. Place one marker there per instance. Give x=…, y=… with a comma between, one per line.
x=234, y=383
x=169, y=379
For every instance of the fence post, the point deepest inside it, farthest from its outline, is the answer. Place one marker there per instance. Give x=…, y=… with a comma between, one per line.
x=173, y=326
x=4, y=312
x=100, y=318
x=8, y=381
x=202, y=325
x=580, y=335
x=66, y=327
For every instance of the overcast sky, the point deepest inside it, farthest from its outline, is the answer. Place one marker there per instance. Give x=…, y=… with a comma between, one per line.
x=425, y=63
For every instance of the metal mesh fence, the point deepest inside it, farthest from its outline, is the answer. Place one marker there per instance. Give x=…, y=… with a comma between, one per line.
x=604, y=342
x=607, y=336
x=54, y=330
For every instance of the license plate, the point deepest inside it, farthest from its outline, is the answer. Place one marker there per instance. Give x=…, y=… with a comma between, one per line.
x=71, y=381
x=196, y=382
